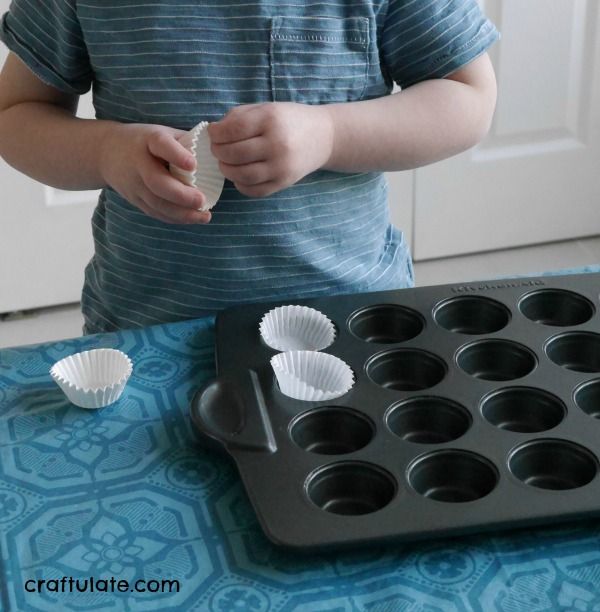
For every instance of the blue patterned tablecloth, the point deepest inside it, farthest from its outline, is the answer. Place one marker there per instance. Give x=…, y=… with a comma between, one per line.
x=128, y=492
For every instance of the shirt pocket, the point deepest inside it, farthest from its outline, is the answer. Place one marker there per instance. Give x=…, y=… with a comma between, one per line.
x=317, y=60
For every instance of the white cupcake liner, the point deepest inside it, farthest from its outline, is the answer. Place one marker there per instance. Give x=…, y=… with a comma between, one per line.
x=312, y=376
x=206, y=177
x=296, y=328
x=93, y=379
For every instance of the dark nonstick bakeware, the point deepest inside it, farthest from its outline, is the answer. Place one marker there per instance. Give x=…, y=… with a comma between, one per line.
x=475, y=407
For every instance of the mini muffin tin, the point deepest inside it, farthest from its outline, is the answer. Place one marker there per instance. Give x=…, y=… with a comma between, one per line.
x=475, y=407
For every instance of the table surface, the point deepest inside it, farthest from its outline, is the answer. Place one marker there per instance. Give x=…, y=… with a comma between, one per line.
x=128, y=491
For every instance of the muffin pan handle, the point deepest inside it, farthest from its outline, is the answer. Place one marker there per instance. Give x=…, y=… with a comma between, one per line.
x=232, y=411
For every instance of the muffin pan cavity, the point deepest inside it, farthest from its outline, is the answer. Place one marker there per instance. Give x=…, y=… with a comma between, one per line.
x=556, y=307
x=421, y=413
x=523, y=409
x=350, y=488
x=332, y=431
x=553, y=464
x=406, y=369
x=578, y=351
x=428, y=420
x=453, y=476
x=496, y=360
x=587, y=397
x=471, y=315
x=386, y=324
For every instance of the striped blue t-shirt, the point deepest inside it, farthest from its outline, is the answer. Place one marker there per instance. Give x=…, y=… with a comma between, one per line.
x=178, y=63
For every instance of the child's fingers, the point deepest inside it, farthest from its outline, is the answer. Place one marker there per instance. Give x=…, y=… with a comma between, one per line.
x=243, y=152
x=262, y=190
x=237, y=125
x=172, y=213
x=141, y=204
x=165, y=146
x=249, y=174
x=164, y=185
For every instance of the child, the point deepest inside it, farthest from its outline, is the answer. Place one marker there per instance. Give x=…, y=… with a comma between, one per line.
x=303, y=126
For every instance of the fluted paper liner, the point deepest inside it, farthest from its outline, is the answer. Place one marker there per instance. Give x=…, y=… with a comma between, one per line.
x=293, y=328
x=206, y=177
x=93, y=379
x=312, y=376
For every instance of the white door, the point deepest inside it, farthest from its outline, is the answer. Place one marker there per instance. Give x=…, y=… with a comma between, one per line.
x=45, y=235
x=536, y=178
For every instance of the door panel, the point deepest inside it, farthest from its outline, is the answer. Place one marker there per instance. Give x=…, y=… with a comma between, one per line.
x=45, y=235
x=535, y=177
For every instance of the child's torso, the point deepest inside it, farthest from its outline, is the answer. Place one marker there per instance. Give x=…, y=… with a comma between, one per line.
x=177, y=64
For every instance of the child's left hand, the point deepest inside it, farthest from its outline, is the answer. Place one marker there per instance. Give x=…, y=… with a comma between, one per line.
x=263, y=148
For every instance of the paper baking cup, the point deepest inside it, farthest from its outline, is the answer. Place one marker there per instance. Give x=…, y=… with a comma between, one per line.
x=206, y=177
x=93, y=379
x=296, y=328
x=312, y=376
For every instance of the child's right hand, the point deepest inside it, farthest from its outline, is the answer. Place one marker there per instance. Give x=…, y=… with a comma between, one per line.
x=134, y=162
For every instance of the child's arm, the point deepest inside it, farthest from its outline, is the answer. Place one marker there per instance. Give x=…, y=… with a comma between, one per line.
x=40, y=136
x=425, y=123
x=265, y=148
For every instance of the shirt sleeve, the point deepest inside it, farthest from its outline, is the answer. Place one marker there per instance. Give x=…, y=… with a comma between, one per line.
x=47, y=37
x=428, y=39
